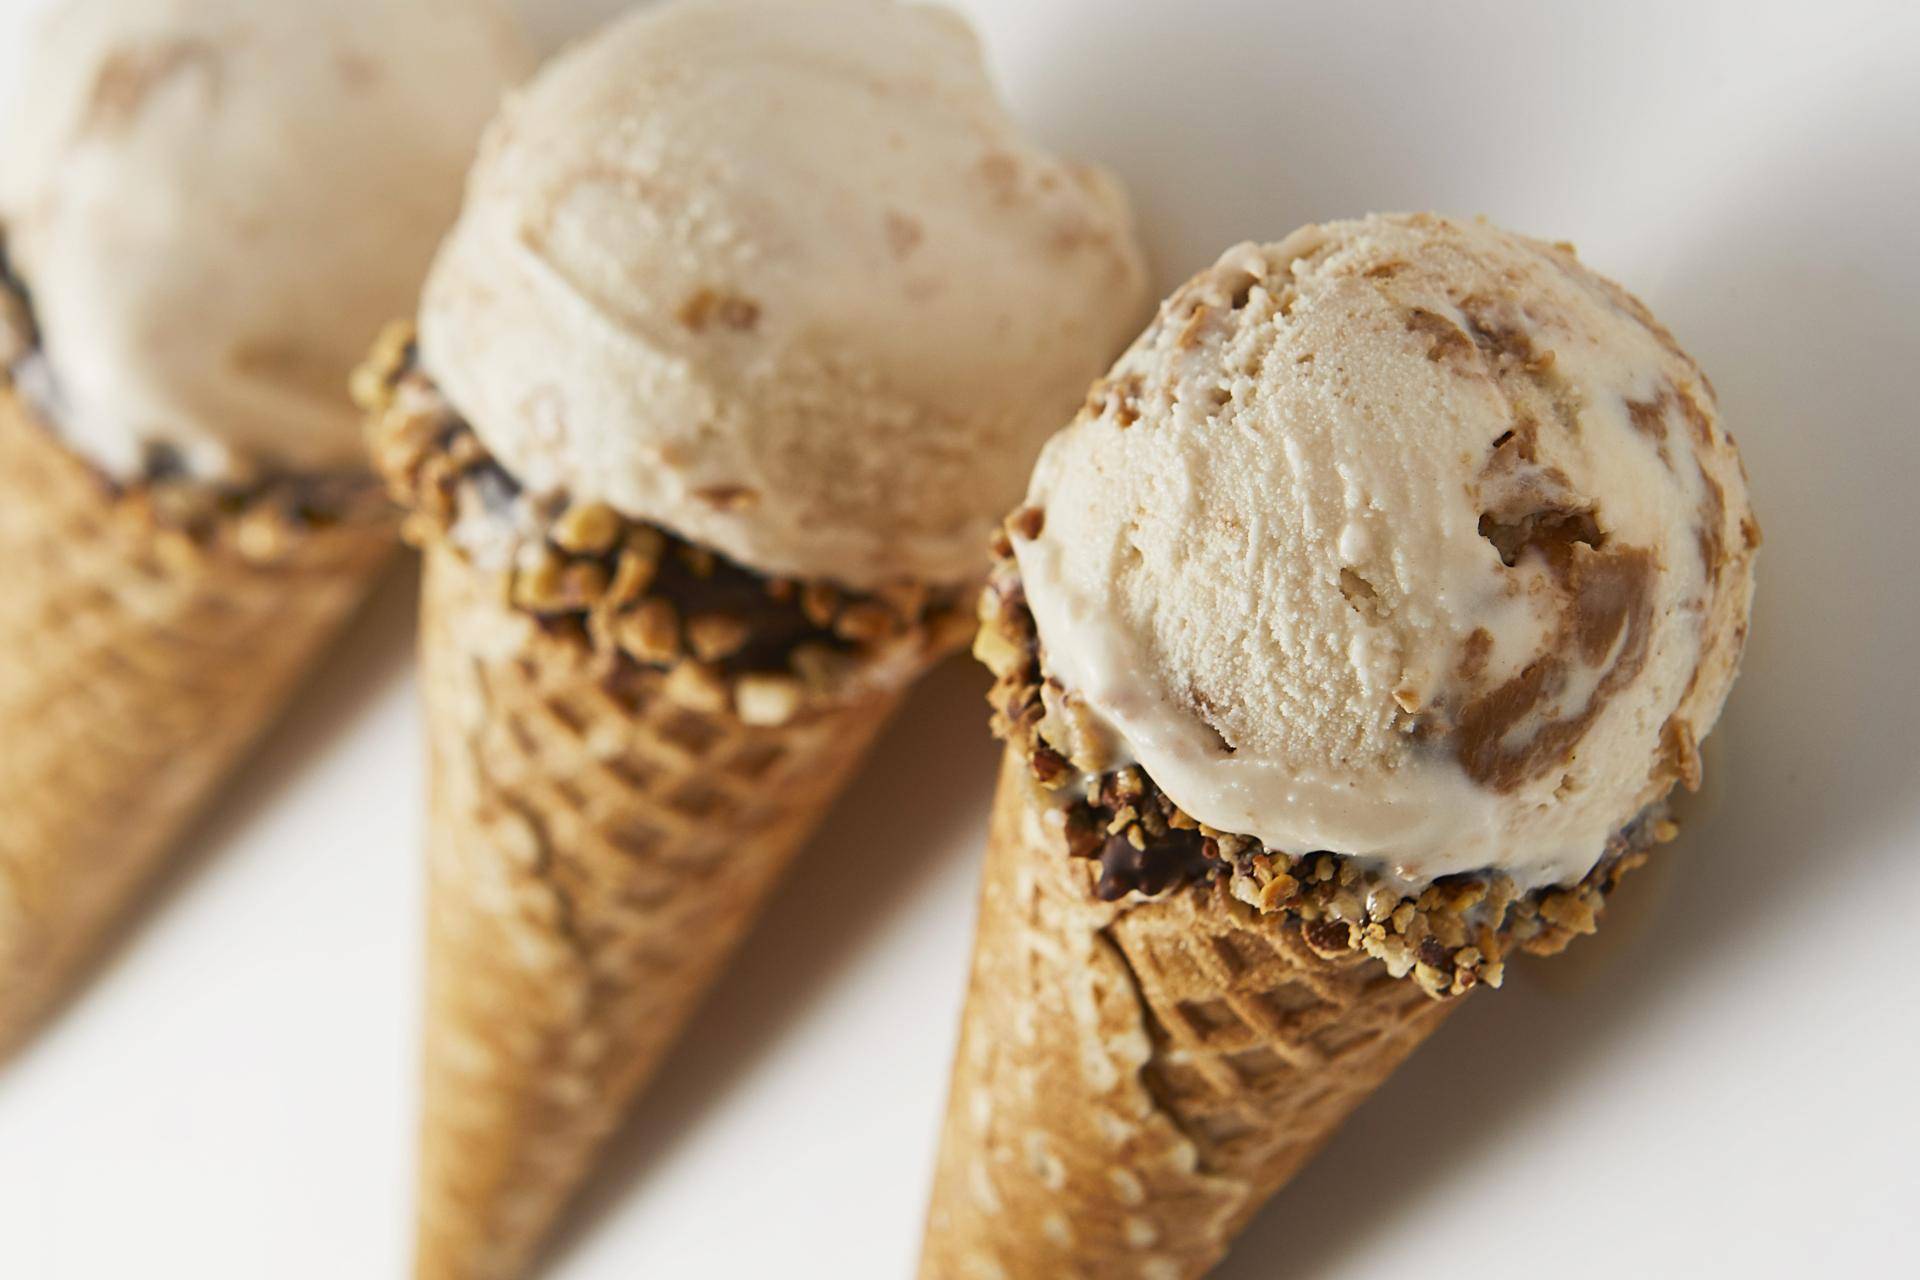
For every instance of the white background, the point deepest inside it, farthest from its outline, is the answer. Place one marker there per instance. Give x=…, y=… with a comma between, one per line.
x=1722, y=1084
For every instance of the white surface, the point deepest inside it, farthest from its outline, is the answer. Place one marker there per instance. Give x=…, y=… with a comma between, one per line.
x=1722, y=1084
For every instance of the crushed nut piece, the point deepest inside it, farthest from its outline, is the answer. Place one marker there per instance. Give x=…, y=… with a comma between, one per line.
x=824, y=671
x=865, y=623
x=589, y=528
x=650, y=632
x=698, y=687
x=714, y=637
x=767, y=700
x=819, y=602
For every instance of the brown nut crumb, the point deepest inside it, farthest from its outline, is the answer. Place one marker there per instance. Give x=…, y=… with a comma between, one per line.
x=998, y=654
x=582, y=585
x=1569, y=911
x=537, y=587
x=715, y=637
x=823, y=670
x=650, y=632
x=1448, y=930
x=697, y=687
x=819, y=602
x=373, y=378
x=632, y=575
x=767, y=700
x=177, y=550
x=906, y=599
x=262, y=536
x=587, y=529
x=865, y=623
x=1277, y=892
x=1329, y=938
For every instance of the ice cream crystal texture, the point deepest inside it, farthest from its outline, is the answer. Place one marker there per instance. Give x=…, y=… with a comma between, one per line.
x=784, y=279
x=1406, y=539
x=217, y=203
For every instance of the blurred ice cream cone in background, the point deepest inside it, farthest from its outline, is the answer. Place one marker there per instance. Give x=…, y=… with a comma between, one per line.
x=207, y=207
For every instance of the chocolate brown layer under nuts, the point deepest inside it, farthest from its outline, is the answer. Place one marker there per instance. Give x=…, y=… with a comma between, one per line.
x=699, y=561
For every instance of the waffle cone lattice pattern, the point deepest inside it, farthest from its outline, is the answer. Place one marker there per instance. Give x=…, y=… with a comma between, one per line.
x=138, y=667
x=1134, y=1080
x=593, y=860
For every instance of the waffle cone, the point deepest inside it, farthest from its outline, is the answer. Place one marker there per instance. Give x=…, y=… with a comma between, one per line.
x=139, y=666
x=1135, y=1079
x=593, y=861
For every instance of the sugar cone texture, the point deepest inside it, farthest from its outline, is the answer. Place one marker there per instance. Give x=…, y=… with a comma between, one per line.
x=138, y=666
x=593, y=860
x=1134, y=1080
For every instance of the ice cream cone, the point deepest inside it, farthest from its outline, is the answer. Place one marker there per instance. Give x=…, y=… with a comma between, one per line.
x=1134, y=1079
x=594, y=858
x=1265, y=818
x=703, y=469
x=188, y=274
x=141, y=662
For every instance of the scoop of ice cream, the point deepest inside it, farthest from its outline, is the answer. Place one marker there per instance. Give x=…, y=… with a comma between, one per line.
x=785, y=279
x=217, y=203
x=1406, y=539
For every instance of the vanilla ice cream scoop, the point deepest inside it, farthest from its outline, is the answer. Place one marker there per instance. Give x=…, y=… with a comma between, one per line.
x=784, y=279
x=217, y=203
x=1406, y=539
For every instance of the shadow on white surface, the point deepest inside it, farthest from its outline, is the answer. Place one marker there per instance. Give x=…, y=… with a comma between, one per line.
x=372, y=651
x=918, y=793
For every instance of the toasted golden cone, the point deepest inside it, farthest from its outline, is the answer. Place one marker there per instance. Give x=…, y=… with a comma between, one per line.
x=1134, y=1079
x=593, y=860
x=138, y=666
